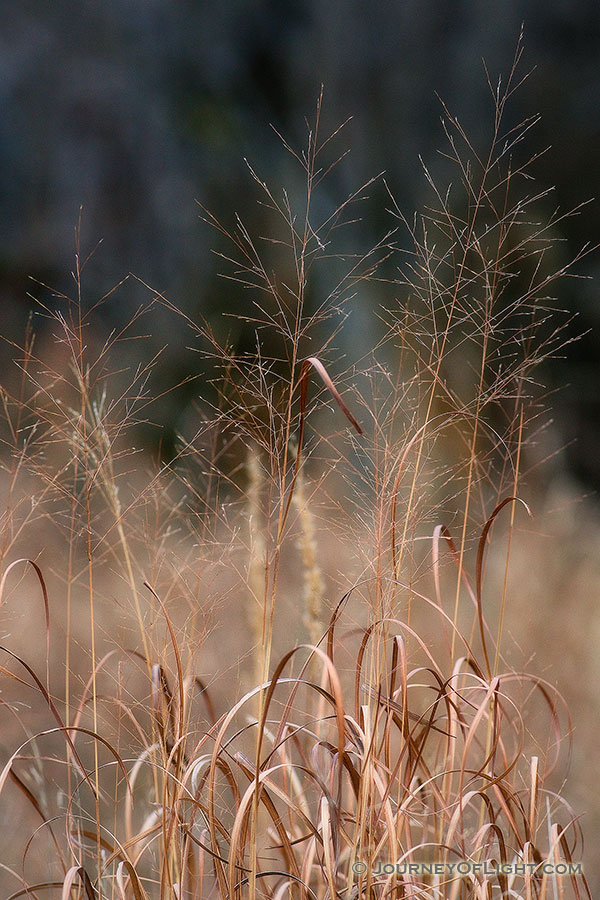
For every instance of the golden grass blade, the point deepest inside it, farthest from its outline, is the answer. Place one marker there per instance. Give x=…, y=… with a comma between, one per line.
x=318, y=366
x=72, y=875
x=479, y=570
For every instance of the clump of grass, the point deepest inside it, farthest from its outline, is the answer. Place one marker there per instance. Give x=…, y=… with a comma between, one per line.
x=400, y=734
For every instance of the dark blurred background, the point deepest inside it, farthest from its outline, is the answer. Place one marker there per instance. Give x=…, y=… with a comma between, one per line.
x=133, y=109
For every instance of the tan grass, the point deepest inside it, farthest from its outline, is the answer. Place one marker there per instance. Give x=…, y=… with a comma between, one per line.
x=402, y=732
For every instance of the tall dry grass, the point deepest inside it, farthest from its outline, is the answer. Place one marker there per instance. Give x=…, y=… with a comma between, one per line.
x=273, y=665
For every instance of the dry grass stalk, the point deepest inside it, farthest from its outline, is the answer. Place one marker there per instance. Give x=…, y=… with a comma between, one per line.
x=256, y=564
x=311, y=570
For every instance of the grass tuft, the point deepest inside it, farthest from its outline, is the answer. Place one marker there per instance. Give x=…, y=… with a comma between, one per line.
x=368, y=494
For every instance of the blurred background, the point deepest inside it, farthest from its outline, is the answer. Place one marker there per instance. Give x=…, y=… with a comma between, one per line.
x=135, y=110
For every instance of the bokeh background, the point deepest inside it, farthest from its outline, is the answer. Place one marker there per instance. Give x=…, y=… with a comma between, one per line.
x=134, y=109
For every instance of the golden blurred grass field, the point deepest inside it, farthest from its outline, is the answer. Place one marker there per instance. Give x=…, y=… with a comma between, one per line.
x=350, y=622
